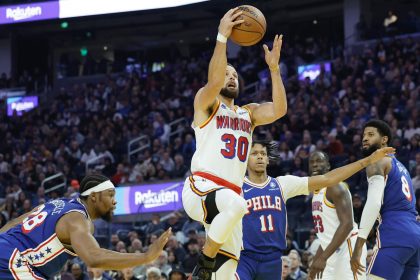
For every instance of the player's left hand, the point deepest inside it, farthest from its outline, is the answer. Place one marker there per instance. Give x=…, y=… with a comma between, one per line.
x=272, y=57
x=317, y=266
x=355, y=264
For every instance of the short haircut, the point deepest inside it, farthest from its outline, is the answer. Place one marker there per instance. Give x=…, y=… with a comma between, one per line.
x=272, y=148
x=91, y=181
x=382, y=127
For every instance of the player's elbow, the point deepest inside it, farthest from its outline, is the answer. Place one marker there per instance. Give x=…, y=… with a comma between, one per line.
x=94, y=260
x=348, y=226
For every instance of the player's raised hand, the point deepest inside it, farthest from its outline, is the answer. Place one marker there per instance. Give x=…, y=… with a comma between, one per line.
x=156, y=248
x=318, y=265
x=272, y=57
x=229, y=20
x=380, y=154
x=355, y=264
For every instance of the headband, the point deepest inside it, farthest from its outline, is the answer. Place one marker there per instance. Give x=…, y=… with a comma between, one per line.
x=107, y=185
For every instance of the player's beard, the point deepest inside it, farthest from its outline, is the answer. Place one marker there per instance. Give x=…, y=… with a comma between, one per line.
x=107, y=216
x=372, y=148
x=229, y=93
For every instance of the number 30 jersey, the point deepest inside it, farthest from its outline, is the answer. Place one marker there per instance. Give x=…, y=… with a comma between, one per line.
x=265, y=223
x=223, y=144
x=325, y=217
x=37, y=247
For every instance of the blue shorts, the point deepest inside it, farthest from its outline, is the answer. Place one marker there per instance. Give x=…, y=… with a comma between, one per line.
x=263, y=267
x=12, y=265
x=396, y=263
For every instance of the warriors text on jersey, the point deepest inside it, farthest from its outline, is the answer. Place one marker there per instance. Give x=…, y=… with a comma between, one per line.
x=223, y=144
x=325, y=217
x=265, y=224
x=397, y=221
x=32, y=250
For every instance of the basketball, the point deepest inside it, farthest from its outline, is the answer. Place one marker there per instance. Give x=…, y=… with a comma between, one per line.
x=252, y=30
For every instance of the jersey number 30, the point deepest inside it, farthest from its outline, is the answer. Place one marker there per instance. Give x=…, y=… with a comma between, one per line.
x=34, y=219
x=235, y=147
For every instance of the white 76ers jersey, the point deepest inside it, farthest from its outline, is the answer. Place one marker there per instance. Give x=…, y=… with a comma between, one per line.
x=325, y=217
x=223, y=144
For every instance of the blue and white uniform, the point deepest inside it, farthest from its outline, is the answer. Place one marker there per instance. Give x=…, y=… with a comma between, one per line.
x=397, y=253
x=265, y=225
x=32, y=250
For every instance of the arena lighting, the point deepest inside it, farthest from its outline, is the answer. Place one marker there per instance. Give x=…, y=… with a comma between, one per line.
x=78, y=8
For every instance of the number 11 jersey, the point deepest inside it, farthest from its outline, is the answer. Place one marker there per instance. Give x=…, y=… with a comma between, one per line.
x=222, y=144
x=265, y=223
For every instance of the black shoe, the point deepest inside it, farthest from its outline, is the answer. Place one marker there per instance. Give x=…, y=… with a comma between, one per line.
x=203, y=269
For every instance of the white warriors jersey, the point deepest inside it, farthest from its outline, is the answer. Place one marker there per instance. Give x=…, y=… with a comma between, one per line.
x=325, y=217
x=223, y=143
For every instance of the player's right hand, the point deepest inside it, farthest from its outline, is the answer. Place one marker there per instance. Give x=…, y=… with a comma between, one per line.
x=229, y=20
x=156, y=248
x=355, y=264
x=380, y=154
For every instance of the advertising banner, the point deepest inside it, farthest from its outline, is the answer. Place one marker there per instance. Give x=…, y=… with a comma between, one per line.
x=29, y=12
x=138, y=199
x=21, y=104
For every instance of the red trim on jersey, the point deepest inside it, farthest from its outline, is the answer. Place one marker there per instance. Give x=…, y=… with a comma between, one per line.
x=49, y=258
x=211, y=116
x=52, y=238
x=219, y=181
x=11, y=262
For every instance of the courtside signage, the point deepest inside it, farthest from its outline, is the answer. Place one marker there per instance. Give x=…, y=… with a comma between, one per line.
x=149, y=198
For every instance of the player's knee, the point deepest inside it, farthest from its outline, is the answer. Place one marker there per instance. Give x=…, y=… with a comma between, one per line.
x=238, y=206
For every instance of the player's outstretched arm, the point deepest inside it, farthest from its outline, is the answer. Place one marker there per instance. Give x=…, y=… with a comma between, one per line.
x=337, y=175
x=76, y=228
x=269, y=112
x=342, y=201
x=206, y=96
x=376, y=180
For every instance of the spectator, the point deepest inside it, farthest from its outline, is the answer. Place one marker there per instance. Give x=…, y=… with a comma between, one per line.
x=295, y=270
x=416, y=179
x=153, y=273
x=78, y=272
x=192, y=257
x=285, y=270
x=357, y=208
x=177, y=274
x=128, y=274
x=162, y=263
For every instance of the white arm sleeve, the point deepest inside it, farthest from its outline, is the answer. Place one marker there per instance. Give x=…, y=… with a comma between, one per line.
x=373, y=204
x=293, y=186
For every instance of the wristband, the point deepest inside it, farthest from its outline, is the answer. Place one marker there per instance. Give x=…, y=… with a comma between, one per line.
x=274, y=69
x=221, y=38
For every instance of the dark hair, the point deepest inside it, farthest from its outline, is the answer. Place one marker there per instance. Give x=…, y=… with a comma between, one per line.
x=91, y=181
x=272, y=149
x=382, y=127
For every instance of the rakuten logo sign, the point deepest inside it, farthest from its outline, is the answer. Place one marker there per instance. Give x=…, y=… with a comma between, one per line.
x=31, y=12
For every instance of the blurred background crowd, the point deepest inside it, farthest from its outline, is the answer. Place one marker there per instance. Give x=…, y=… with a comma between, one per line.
x=86, y=125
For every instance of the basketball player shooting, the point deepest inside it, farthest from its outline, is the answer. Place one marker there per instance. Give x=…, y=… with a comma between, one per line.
x=332, y=211
x=224, y=133
x=391, y=200
x=37, y=244
x=265, y=223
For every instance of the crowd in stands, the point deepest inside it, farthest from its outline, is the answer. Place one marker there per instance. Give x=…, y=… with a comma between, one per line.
x=85, y=121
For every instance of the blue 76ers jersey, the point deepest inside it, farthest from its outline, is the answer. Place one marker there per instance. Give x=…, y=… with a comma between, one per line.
x=265, y=223
x=398, y=225
x=34, y=245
